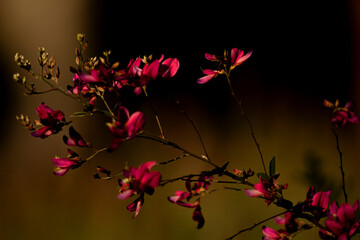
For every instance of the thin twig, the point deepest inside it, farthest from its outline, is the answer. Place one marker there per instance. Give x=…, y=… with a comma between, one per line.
x=198, y=134
x=341, y=163
x=173, y=160
x=176, y=146
x=238, y=101
x=255, y=225
x=155, y=113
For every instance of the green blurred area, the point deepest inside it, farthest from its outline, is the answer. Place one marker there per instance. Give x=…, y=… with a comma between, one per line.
x=289, y=123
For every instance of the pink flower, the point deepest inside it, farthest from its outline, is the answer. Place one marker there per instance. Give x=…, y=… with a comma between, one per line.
x=169, y=68
x=199, y=188
x=52, y=121
x=79, y=86
x=270, y=190
x=316, y=202
x=238, y=57
x=225, y=64
x=209, y=74
x=138, y=181
x=63, y=165
x=126, y=126
x=341, y=223
x=290, y=221
x=341, y=116
x=271, y=234
x=75, y=139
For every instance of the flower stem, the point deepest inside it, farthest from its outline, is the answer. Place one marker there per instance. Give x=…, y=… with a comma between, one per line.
x=255, y=225
x=96, y=153
x=155, y=113
x=204, y=159
x=238, y=101
x=57, y=88
x=341, y=163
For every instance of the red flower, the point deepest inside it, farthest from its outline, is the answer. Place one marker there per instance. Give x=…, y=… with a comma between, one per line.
x=209, y=74
x=271, y=234
x=52, y=121
x=199, y=188
x=75, y=139
x=270, y=190
x=226, y=63
x=342, y=222
x=138, y=76
x=126, y=126
x=63, y=165
x=138, y=181
x=341, y=116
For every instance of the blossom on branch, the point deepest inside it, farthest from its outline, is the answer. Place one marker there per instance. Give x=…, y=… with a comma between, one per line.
x=126, y=126
x=63, y=165
x=199, y=188
x=52, y=121
x=225, y=64
x=341, y=223
x=342, y=115
x=270, y=190
x=138, y=181
x=75, y=139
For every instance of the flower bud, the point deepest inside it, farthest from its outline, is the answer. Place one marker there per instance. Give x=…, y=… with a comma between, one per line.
x=22, y=62
x=80, y=37
x=18, y=79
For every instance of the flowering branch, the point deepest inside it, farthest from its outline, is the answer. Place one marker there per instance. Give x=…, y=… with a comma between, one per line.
x=99, y=78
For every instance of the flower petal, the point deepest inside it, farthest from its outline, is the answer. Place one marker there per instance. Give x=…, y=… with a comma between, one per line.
x=135, y=123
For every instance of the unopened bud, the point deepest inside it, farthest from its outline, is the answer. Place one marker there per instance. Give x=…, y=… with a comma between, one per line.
x=80, y=37
x=22, y=62
x=18, y=79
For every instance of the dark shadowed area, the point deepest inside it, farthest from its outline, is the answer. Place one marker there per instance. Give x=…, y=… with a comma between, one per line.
x=302, y=53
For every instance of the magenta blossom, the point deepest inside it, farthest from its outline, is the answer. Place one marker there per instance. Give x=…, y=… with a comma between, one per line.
x=138, y=181
x=225, y=64
x=52, y=121
x=198, y=189
x=341, y=116
x=271, y=234
x=139, y=76
x=209, y=74
x=126, y=126
x=79, y=86
x=316, y=202
x=341, y=223
x=63, y=165
x=270, y=190
x=75, y=139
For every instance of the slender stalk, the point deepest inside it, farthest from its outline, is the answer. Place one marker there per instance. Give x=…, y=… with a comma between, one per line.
x=198, y=134
x=255, y=225
x=96, y=153
x=155, y=113
x=238, y=101
x=341, y=163
x=58, y=88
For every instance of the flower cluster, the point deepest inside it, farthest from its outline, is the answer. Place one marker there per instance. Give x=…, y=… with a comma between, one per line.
x=197, y=189
x=341, y=223
x=226, y=63
x=342, y=115
x=138, y=181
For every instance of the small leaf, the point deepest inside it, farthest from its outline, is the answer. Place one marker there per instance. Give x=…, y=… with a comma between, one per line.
x=79, y=114
x=263, y=176
x=272, y=167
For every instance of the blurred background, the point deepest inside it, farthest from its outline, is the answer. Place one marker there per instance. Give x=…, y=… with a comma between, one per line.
x=302, y=53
